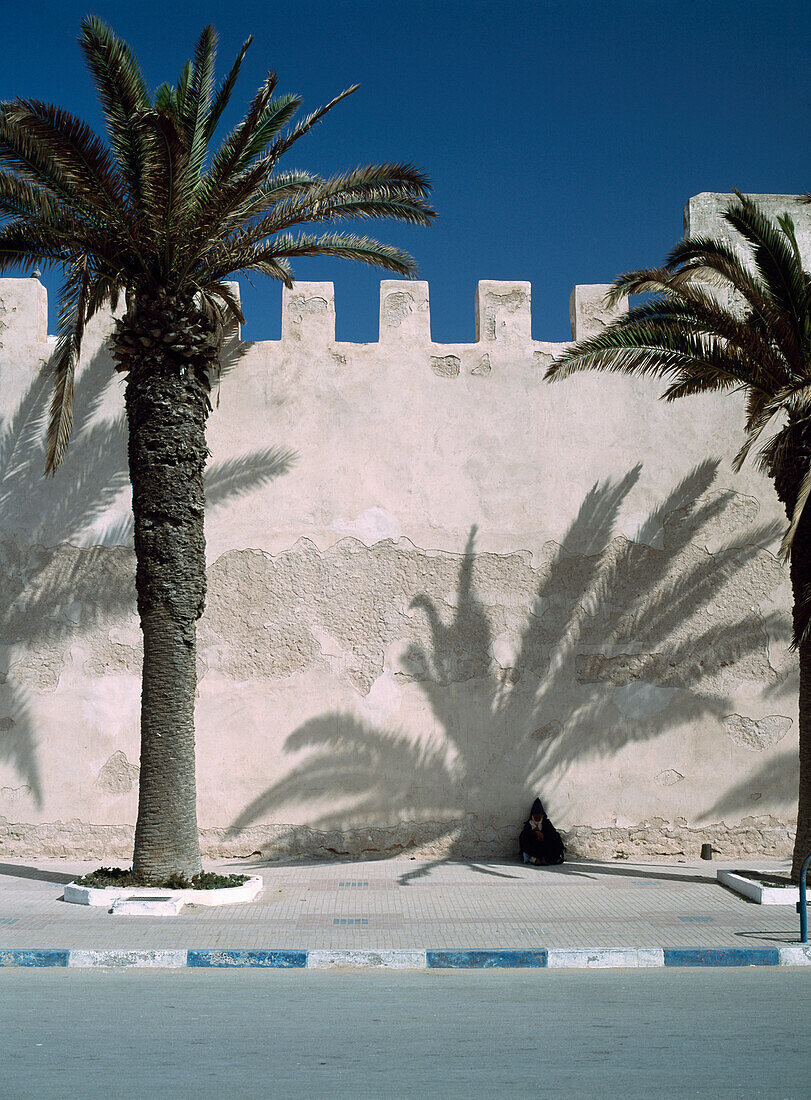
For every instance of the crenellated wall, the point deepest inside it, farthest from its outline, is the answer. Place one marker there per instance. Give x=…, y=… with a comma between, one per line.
x=437, y=586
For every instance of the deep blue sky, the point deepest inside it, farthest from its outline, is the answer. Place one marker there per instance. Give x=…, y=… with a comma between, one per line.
x=563, y=138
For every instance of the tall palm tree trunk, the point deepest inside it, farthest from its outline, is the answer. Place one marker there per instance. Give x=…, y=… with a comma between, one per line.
x=801, y=584
x=802, y=845
x=167, y=407
x=787, y=477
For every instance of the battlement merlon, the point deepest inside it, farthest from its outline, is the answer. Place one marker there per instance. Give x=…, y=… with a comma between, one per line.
x=502, y=312
x=23, y=313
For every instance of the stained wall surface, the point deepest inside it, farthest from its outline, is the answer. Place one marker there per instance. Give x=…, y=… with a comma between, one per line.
x=438, y=586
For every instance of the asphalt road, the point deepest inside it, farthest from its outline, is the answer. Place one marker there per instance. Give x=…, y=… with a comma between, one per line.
x=249, y=1033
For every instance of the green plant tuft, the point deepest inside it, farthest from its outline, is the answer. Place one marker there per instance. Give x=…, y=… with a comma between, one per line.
x=120, y=876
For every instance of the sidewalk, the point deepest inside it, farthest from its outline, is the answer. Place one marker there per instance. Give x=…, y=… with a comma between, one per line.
x=580, y=914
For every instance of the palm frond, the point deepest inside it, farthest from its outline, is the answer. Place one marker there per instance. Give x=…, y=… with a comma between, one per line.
x=196, y=109
x=122, y=94
x=80, y=154
x=280, y=147
x=223, y=93
x=72, y=316
x=774, y=256
x=228, y=298
x=346, y=247
x=32, y=245
x=233, y=146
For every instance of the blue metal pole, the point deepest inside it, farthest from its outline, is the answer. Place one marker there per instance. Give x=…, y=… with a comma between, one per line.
x=802, y=907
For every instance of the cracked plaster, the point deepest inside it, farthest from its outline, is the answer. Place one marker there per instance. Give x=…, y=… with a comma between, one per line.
x=757, y=735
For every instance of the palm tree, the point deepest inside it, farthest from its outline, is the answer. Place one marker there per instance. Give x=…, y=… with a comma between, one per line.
x=161, y=218
x=718, y=320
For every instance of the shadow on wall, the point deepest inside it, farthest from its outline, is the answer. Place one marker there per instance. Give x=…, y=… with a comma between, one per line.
x=619, y=645
x=67, y=571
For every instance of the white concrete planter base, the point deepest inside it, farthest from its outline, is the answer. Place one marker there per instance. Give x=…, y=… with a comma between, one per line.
x=755, y=891
x=152, y=900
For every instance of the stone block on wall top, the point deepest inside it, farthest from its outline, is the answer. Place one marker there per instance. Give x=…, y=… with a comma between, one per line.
x=588, y=312
x=404, y=311
x=23, y=312
x=308, y=313
x=503, y=312
x=704, y=217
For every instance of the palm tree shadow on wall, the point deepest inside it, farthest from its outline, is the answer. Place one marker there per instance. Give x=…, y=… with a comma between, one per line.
x=65, y=570
x=619, y=645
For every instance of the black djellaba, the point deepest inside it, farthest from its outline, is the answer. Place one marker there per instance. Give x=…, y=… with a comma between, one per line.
x=540, y=841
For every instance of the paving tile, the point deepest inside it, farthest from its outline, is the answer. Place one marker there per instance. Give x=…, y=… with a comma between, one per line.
x=415, y=905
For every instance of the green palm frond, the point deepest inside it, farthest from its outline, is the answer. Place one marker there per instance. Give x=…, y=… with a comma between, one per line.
x=81, y=156
x=72, y=317
x=122, y=94
x=227, y=158
x=198, y=101
x=223, y=93
x=344, y=246
x=32, y=245
x=776, y=259
x=281, y=145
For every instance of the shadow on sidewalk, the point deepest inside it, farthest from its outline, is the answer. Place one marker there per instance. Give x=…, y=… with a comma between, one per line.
x=16, y=870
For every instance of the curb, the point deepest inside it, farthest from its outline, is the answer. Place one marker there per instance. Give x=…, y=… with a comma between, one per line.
x=407, y=959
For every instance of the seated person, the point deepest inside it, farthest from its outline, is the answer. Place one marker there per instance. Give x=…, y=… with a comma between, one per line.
x=540, y=841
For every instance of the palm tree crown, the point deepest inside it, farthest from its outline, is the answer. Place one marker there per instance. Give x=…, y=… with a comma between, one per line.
x=718, y=321
x=157, y=210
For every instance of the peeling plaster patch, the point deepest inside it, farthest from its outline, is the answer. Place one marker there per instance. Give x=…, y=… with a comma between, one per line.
x=397, y=307
x=339, y=359
x=383, y=702
x=53, y=595
x=15, y=794
x=111, y=657
x=39, y=671
x=482, y=367
x=657, y=837
x=6, y=724
x=446, y=366
x=543, y=359
x=495, y=304
x=117, y=776
x=371, y=526
x=265, y=615
x=506, y=649
x=668, y=778
x=621, y=670
x=757, y=735
x=299, y=306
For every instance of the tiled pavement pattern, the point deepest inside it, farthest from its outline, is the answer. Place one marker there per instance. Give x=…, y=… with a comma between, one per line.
x=400, y=904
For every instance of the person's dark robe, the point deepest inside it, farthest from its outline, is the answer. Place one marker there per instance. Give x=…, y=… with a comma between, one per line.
x=548, y=846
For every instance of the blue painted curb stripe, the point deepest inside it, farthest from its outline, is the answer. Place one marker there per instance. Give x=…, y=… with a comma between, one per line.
x=278, y=960
x=33, y=957
x=793, y=955
x=484, y=960
x=722, y=956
